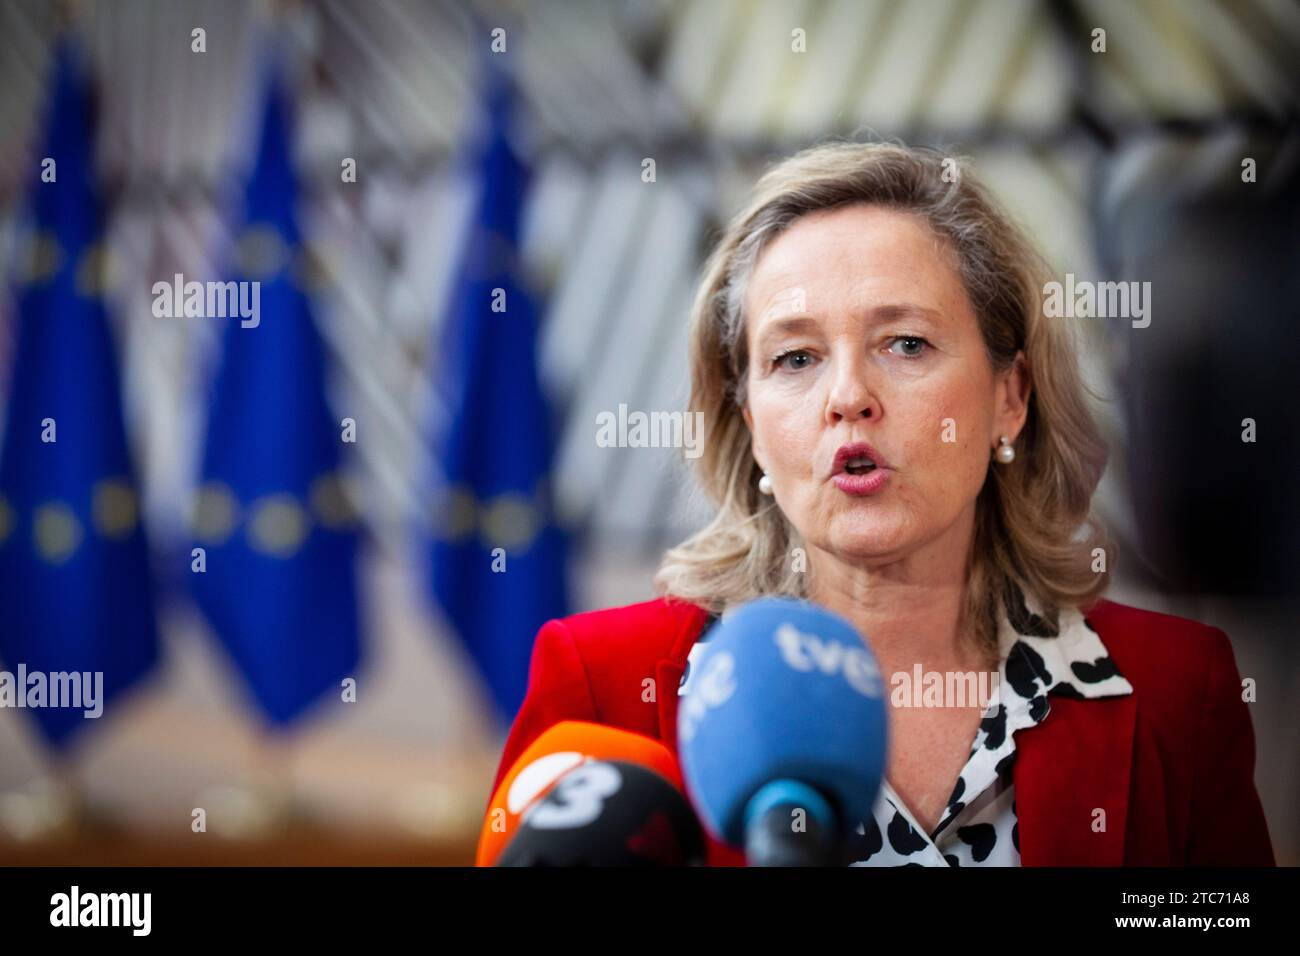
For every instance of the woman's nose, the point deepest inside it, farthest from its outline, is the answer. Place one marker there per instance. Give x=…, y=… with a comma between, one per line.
x=851, y=398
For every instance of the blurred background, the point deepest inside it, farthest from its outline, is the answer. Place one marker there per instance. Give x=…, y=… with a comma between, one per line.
x=338, y=151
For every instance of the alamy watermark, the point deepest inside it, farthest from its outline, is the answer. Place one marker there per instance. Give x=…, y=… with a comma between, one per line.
x=918, y=688
x=208, y=300
x=637, y=429
x=83, y=690
x=133, y=911
x=1085, y=299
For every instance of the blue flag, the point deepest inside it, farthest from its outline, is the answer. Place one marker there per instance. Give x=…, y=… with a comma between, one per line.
x=279, y=585
x=75, y=590
x=498, y=556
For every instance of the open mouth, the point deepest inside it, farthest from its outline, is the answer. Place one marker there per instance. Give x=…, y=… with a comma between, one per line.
x=858, y=459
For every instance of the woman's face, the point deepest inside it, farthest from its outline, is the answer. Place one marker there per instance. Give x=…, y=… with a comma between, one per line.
x=860, y=331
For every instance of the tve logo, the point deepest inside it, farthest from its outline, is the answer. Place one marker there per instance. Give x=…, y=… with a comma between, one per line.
x=712, y=688
x=808, y=652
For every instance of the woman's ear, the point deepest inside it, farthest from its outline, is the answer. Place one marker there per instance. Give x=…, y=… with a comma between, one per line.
x=1011, y=399
x=753, y=439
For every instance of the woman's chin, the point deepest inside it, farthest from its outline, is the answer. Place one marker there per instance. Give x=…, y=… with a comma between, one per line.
x=865, y=536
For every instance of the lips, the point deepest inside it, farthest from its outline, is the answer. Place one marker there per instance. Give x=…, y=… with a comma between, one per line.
x=858, y=469
x=857, y=458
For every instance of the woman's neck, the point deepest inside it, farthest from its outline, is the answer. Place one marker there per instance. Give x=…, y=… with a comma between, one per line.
x=909, y=611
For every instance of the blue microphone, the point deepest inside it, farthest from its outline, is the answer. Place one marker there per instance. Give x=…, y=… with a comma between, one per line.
x=782, y=733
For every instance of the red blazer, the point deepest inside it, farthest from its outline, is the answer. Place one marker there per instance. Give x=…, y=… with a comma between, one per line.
x=1172, y=763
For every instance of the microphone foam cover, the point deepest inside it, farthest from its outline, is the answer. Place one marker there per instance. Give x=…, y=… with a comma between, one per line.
x=783, y=689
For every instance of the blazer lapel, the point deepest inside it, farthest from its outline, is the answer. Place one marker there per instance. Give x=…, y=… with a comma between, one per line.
x=1077, y=762
x=668, y=676
x=669, y=671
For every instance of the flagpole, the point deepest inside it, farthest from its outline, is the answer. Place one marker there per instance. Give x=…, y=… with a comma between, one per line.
x=271, y=783
x=68, y=795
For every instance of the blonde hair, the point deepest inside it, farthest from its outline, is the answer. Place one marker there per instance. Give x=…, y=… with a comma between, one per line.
x=1033, y=535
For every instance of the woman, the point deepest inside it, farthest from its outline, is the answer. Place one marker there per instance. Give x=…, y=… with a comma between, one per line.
x=897, y=432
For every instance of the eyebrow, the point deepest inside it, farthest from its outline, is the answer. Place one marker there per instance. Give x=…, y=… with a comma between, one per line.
x=876, y=315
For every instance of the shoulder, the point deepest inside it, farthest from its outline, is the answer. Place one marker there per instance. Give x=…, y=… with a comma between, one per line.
x=1144, y=637
x=1168, y=659
x=603, y=659
x=593, y=667
x=634, y=635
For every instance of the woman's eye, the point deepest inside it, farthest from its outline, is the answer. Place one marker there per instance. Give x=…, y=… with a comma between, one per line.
x=794, y=359
x=913, y=346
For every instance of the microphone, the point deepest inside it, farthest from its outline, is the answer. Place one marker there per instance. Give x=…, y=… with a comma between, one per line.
x=782, y=735
x=558, y=750
x=608, y=813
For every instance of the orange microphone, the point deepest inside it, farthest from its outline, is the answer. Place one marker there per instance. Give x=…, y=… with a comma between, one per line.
x=556, y=752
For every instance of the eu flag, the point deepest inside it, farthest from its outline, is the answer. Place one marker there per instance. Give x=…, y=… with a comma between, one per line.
x=272, y=513
x=498, y=556
x=75, y=591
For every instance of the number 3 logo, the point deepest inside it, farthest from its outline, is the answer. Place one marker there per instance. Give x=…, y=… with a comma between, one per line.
x=578, y=798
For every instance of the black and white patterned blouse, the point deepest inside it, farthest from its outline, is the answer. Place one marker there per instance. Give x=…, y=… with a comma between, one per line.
x=978, y=827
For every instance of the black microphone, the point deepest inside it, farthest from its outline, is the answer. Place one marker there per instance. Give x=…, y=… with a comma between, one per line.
x=608, y=813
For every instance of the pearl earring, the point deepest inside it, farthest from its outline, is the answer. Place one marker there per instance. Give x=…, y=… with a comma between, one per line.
x=1005, y=453
x=765, y=484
